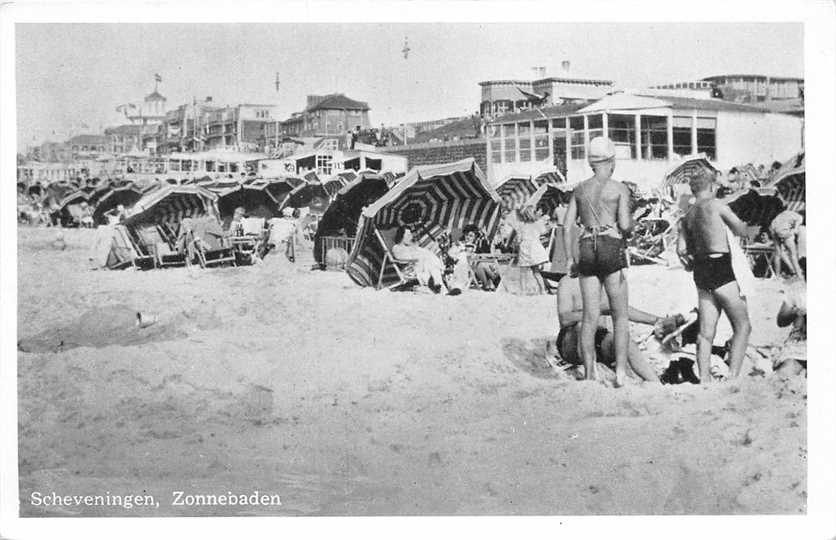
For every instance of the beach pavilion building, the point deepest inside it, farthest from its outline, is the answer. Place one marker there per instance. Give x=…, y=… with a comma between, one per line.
x=651, y=133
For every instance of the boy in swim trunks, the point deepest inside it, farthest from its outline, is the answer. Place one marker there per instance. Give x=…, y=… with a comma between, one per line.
x=704, y=248
x=601, y=206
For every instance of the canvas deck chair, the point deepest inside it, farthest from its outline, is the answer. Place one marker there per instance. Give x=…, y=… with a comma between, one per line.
x=249, y=243
x=405, y=270
x=144, y=259
x=122, y=253
x=207, y=240
x=651, y=240
x=161, y=248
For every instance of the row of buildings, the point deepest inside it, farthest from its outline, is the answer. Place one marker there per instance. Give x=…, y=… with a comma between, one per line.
x=523, y=127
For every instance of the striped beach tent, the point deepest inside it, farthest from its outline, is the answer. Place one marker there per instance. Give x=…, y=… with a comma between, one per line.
x=791, y=183
x=310, y=194
x=684, y=170
x=549, y=196
x=252, y=196
x=125, y=195
x=280, y=188
x=169, y=204
x=333, y=185
x=429, y=199
x=549, y=177
x=756, y=206
x=349, y=176
x=514, y=190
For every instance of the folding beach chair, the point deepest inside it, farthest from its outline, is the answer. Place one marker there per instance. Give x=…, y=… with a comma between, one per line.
x=122, y=253
x=650, y=240
x=144, y=259
x=405, y=270
x=163, y=250
x=207, y=240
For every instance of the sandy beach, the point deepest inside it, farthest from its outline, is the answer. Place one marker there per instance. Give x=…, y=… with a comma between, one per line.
x=351, y=401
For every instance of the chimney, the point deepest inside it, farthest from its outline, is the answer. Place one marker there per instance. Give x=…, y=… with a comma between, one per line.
x=564, y=65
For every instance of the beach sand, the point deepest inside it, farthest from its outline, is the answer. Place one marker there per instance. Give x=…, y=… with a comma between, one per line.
x=351, y=401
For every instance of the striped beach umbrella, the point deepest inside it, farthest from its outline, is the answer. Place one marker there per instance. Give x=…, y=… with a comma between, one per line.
x=549, y=196
x=280, y=188
x=683, y=171
x=252, y=196
x=515, y=190
x=791, y=183
x=430, y=199
x=333, y=185
x=549, y=177
x=171, y=204
x=343, y=215
x=756, y=206
x=126, y=195
x=311, y=194
x=74, y=197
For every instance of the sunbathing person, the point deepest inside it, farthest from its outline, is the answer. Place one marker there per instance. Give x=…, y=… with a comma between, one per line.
x=705, y=233
x=428, y=266
x=792, y=358
x=570, y=314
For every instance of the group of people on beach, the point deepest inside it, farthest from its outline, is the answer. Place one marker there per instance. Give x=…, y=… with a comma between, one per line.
x=706, y=247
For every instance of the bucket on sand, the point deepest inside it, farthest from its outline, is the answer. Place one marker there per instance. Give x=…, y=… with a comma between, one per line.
x=144, y=320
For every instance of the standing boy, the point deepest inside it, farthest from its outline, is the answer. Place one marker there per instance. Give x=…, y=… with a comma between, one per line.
x=602, y=206
x=703, y=246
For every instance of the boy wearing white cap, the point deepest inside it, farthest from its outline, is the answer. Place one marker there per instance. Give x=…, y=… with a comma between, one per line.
x=601, y=207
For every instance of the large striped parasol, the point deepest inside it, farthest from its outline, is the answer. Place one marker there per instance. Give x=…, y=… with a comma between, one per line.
x=170, y=204
x=280, y=188
x=74, y=197
x=430, y=200
x=515, y=190
x=126, y=195
x=791, y=183
x=756, y=206
x=683, y=171
x=549, y=196
x=549, y=177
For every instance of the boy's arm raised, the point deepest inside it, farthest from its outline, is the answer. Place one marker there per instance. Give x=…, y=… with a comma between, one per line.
x=734, y=223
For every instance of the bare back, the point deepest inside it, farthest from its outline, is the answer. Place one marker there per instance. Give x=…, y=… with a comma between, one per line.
x=605, y=197
x=705, y=230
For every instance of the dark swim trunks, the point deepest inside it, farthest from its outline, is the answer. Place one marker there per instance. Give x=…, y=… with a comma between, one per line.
x=712, y=271
x=601, y=256
x=574, y=357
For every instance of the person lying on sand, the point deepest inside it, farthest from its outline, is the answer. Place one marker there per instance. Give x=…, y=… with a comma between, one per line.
x=570, y=315
x=703, y=246
x=792, y=357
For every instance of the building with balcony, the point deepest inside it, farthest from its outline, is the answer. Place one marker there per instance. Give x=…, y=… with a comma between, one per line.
x=512, y=95
x=328, y=115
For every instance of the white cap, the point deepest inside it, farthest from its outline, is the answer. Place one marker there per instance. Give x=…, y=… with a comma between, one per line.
x=600, y=149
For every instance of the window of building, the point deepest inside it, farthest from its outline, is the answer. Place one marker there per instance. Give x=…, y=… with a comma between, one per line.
x=509, y=132
x=596, y=126
x=541, y=140
x=495, y=134
x=654, y=137
x=682, y=135
x=558, y=124
x=622, y=132
x=524, y=132
x=577, y=141
x=324, y=163
x=707, y=137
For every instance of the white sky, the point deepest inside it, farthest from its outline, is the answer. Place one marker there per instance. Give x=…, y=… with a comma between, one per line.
x=73, y=73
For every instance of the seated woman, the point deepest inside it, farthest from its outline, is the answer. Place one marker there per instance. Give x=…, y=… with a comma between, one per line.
x=486, y=272
x=428, y=266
